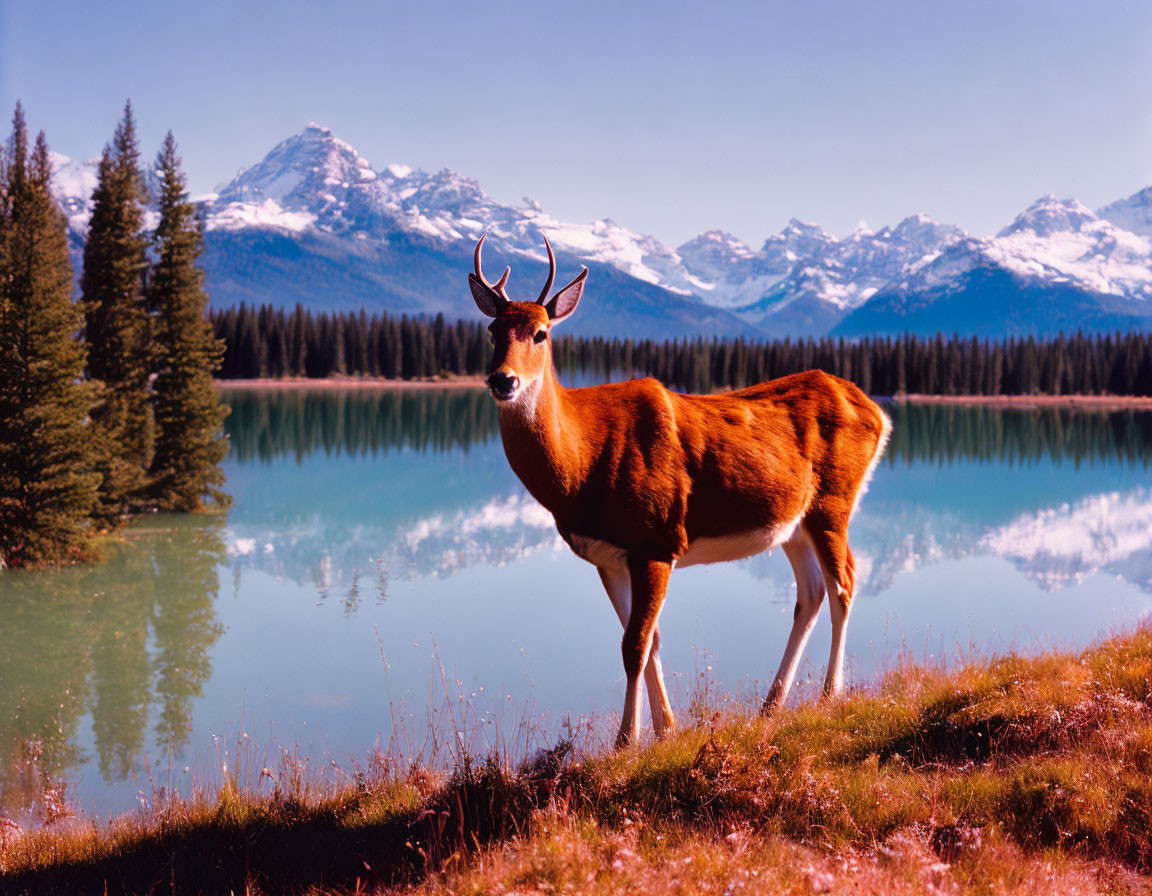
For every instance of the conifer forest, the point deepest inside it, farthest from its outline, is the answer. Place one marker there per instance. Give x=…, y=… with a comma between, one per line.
x=107, y=404
x=270, y=342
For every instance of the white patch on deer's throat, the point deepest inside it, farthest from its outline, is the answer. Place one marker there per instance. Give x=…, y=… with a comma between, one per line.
x=523, y=403
x=736, y=546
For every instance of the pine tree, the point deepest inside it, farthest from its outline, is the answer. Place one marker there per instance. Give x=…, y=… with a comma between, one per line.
x=47, y=483
x=190, y=442
x=117, y=325
x=298, y=323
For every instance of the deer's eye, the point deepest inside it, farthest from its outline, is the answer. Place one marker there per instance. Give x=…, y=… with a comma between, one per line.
x=540, y=336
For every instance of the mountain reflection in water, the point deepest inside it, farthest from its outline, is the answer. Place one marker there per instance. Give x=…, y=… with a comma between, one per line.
x=954, y=477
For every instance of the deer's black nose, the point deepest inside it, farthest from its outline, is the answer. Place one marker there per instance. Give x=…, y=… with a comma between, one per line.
x=502, y=385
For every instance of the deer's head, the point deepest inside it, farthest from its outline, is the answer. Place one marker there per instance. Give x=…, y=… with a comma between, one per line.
x=521, y=331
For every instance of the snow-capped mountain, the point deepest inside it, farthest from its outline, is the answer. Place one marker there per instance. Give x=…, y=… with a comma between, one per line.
x=72, y=184
x=727, y=273
x=835, y=276
x=314, y=222
x=1133, y=214
x=1056, y=267
x=332, y=231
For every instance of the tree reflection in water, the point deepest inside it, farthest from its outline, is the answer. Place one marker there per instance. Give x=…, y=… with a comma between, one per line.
x=941, y=433
x=126, y=640
x=268, y=425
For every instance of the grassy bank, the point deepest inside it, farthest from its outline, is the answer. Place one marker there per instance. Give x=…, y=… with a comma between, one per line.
x=1019, y=775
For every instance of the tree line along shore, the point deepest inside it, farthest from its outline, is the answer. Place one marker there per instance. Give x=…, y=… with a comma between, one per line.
x=269, y=343
x=107, y=405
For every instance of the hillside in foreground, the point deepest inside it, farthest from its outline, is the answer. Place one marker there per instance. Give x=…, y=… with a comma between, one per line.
x=1014, y=775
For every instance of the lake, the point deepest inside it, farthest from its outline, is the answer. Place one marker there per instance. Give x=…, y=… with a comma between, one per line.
x=383, y=580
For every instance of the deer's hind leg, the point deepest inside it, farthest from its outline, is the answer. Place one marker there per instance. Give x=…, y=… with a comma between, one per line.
x=830, y=540
x=618, y=583
x=809, y=595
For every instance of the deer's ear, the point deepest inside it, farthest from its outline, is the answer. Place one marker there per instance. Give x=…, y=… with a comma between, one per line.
x=565, y=301
x=485, y=299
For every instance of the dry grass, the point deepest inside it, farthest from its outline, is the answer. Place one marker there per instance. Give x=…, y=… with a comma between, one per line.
x=1012, y=776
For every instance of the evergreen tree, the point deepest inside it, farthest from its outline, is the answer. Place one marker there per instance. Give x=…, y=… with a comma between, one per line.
x=299, y=324
x=117, y=325
x=47, y=483
x=190, y=442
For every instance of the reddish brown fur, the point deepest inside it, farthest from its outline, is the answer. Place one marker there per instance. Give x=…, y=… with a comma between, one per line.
x=650, y=471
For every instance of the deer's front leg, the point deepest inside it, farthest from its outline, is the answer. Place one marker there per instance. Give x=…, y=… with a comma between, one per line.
x=618, y=584
x=649, y=584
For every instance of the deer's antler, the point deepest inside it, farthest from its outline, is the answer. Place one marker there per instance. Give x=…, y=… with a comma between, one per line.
x=551, y=272
x=499, y=289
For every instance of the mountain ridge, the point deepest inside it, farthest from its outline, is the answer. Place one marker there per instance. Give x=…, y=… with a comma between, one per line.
x=315, y=222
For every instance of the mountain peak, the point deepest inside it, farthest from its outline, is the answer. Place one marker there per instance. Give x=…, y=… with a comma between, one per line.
x=719, y=239
x=711, y=253
x=1051, y=214
x=1133, y=214
x=297, y=171
x=798, y=239
x=920, y=229
x=72, y=185
x=795, y=225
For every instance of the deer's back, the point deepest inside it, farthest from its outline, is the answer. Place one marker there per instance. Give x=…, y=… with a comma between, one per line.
x=671, y=469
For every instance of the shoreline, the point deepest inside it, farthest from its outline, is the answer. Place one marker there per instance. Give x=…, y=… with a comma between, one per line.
x=1093, y=402
x=349, y=382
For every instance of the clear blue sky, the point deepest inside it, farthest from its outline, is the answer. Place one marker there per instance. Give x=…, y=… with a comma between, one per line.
x=669, y=117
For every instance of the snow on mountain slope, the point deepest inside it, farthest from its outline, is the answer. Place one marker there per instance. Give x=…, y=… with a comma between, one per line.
x=72, y=186
x=315, y=180
x=715, y=254
x=727, y=273
x=399, y=234
x=1054, y=240
x=838, y=276
x=1062, y=239
x=857, y=266
x=73, y=183
x=1056, y=267
x=1058, y=246
x=1133, y=214
x=310, y=179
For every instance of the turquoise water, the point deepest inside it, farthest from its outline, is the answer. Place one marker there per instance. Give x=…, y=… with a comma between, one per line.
x=381, y=556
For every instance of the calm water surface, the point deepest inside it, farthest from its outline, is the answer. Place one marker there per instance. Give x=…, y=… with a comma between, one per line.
x=380, y=538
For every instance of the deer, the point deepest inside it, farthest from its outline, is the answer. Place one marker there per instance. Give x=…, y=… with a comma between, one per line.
x=642, y=480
